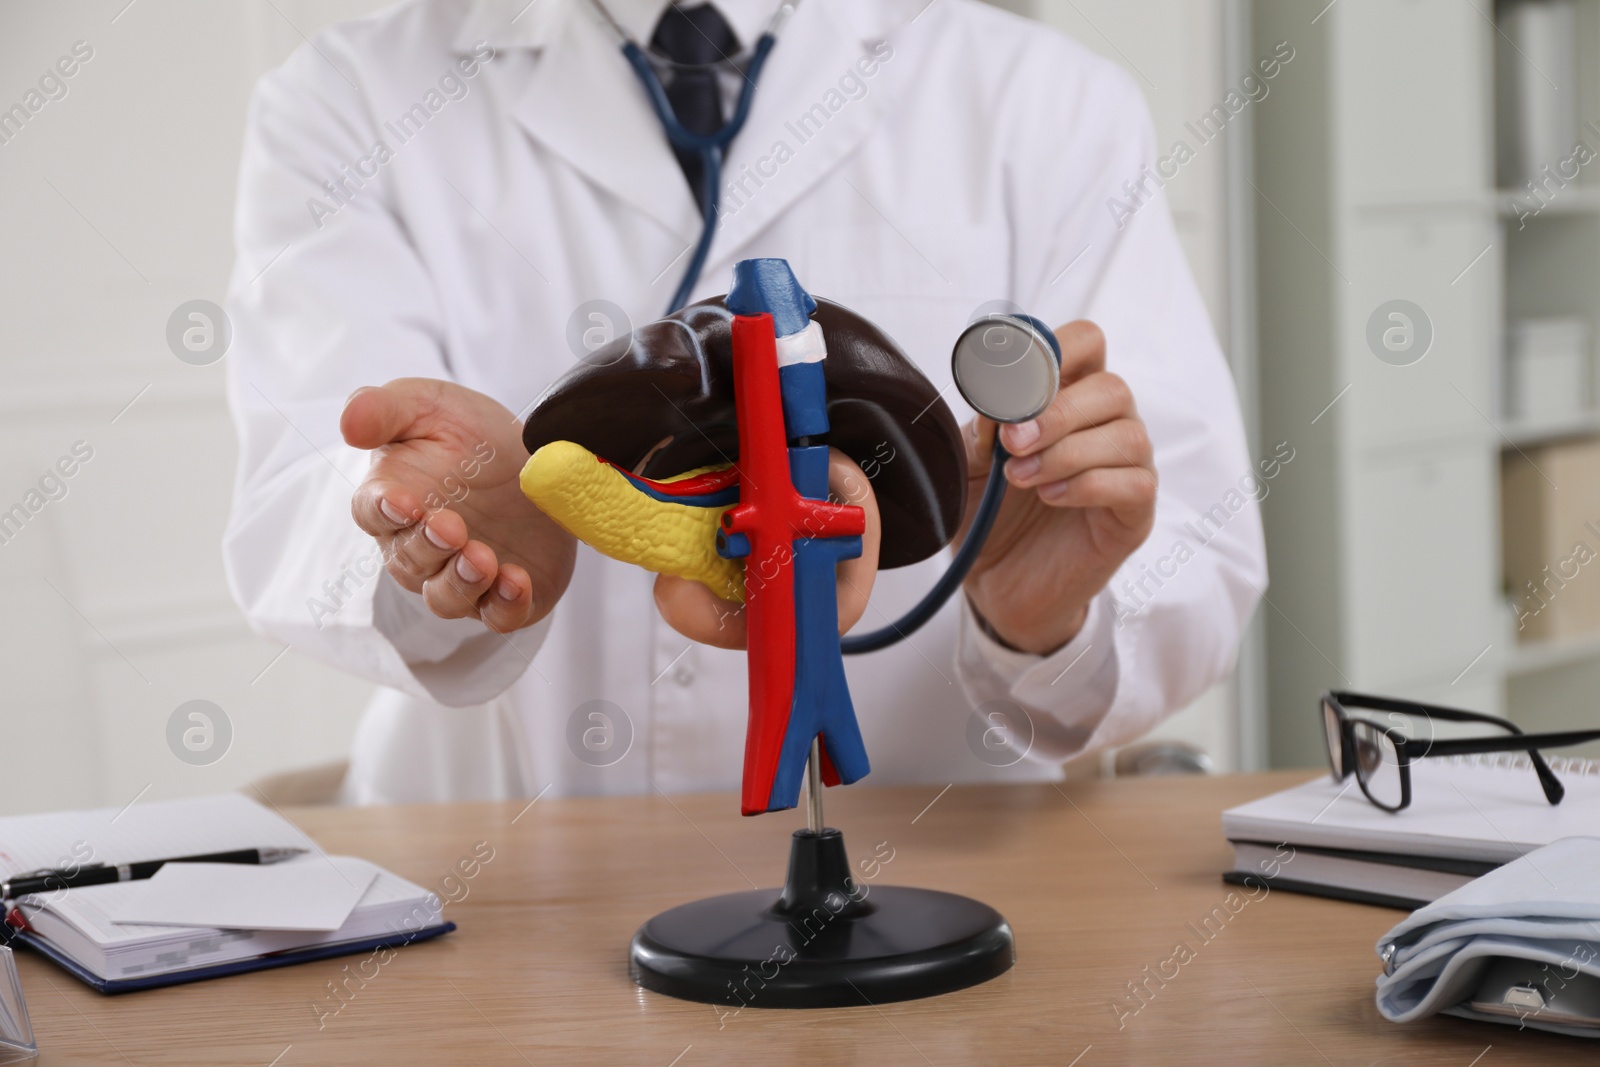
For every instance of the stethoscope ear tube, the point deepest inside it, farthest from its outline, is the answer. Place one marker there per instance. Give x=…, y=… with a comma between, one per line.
x=676, y=132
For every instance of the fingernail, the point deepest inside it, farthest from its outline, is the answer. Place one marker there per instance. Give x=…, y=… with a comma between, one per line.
x=392, y=513
x=468, y=572
x=1024, y=434
x=358, y=392
x=1053, y=491
x=1023, y=468
x=506, y=590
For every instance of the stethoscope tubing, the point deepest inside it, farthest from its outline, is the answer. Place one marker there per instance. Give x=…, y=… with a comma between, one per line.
x=994, y=491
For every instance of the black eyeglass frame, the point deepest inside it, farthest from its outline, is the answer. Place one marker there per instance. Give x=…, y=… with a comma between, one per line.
x=1408, y=750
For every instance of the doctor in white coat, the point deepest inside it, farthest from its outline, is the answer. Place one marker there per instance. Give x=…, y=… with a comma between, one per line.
x=435, y=200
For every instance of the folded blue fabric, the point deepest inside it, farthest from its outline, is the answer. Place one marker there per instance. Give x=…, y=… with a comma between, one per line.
x=1543, y=907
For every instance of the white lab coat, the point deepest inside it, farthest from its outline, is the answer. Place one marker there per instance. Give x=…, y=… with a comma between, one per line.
x=913, y=167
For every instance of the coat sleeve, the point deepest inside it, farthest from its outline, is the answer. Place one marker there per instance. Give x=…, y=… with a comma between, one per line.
x=1100, y=244
x=327, y=295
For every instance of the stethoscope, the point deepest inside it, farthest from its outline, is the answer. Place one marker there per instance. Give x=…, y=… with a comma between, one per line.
x=1006, y=366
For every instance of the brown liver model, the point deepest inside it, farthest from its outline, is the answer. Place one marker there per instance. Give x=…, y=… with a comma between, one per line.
x=673, y=378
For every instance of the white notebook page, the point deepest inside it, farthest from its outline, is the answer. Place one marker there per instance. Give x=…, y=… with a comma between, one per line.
x=1489, y=808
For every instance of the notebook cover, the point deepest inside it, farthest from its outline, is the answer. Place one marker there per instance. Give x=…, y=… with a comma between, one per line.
x=1382, y=900
x=222, y=970
x=1470, y=868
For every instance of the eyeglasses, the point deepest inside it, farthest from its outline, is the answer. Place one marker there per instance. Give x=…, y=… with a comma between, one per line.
x=1380, y=755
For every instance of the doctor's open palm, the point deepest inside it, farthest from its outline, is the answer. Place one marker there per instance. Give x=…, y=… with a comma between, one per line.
x=443, y=502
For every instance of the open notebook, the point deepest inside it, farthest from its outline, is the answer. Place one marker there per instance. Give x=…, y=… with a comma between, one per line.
x=1468, y=815
x=78, y=928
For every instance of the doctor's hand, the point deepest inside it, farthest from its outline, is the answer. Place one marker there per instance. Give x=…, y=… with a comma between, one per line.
x=700, y=615
x=442, y=500
x=1081, y=497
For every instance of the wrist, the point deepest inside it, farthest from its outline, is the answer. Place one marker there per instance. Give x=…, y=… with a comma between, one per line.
x=1034, y=641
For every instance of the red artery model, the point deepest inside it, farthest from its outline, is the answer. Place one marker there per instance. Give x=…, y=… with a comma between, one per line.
x=791, y=543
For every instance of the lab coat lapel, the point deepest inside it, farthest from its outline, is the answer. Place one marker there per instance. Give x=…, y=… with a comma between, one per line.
x=786, y=147
x=584, y=103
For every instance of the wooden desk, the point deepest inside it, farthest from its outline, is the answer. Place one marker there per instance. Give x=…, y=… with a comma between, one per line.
x=1098, y=879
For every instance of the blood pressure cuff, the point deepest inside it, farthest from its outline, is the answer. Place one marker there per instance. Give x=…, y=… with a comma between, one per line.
x=663, y=396
x=1543, y=908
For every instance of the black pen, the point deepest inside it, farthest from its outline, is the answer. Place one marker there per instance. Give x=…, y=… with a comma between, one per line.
x=46, y=881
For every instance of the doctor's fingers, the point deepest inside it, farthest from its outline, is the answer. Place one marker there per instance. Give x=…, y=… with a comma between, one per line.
x=1129, y=493
x=375, y=415
x=1083, y=350
x=510, y=605
x=388, y=510
x=421, y=550
x=1121, y=443
x=384, y=508
x=1101, y=397
x=978, y=436
x=453, y=590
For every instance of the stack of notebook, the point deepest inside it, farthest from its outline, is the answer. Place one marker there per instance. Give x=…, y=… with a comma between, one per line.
x=201, y=920
x=1468, y=815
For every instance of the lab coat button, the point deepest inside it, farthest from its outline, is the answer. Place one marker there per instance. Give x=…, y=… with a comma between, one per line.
x=684, y=675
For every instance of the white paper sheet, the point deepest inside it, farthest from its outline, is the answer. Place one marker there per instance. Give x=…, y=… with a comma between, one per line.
x=313, y=892
x=147, y=830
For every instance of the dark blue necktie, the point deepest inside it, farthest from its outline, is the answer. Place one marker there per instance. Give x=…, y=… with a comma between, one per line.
x=695, y=39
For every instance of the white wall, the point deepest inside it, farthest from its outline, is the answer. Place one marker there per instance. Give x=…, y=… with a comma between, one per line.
x=118, y=201
x=117, y=208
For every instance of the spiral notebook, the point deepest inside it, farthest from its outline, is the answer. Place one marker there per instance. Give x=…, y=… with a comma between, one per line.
x=87, y=930
x=1468, y=815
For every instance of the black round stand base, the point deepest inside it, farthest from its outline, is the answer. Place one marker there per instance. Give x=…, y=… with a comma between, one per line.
x=825, y=941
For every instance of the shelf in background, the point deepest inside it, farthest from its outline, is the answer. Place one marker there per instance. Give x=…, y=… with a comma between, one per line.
x=1511, y=203
x=1436, y=200
x=1536, y=656
x=1524, y=433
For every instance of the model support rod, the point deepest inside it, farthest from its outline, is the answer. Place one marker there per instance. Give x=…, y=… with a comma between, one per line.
x=814, y=787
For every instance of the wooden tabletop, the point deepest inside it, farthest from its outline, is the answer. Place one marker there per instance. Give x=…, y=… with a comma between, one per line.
x=1099, y=879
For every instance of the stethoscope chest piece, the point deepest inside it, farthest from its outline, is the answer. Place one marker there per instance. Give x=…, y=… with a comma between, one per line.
x=1007, y=367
